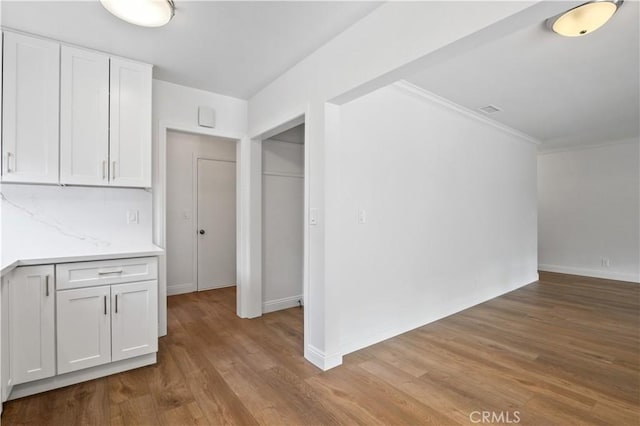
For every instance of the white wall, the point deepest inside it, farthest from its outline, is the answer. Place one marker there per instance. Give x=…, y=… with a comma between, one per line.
x=282, y=224
x=450, y=207
x=589, y=201
x=394, y=40
x=182, y=148
x=176, y=106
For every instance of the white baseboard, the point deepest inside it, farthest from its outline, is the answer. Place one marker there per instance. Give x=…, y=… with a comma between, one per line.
x=380, y=336
x=595, y=273
x=320, y=359
x=174, y=289
x=279, y=304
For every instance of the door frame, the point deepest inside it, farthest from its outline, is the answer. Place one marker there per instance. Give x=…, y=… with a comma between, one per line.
x=247, y=196
x=194, y=215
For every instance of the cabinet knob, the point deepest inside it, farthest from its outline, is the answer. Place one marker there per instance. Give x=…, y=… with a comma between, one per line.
x=202, y=232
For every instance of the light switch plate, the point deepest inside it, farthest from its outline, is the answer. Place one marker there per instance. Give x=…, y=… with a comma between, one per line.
x=133, y=216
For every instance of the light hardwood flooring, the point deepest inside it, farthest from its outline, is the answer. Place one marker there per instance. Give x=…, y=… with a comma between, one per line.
x=564, y=350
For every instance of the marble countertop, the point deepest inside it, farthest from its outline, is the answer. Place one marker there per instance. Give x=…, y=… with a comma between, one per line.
x=41, y=255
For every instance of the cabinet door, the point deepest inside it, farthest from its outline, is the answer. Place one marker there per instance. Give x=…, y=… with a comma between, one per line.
x=84, y=328
x=31, y=69
x=134, y=321
x=130, y=126
x=31, y=323
x=84, y=117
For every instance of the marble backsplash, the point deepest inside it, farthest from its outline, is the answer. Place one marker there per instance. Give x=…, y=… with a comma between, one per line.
x=72, y=219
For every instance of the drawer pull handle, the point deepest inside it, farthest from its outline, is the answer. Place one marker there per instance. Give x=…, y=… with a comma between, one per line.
x=116, y=303
x=119, y=271
x=105, y=305
x=46, y=280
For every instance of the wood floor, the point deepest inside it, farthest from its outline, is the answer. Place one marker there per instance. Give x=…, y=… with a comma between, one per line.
x=564, y=350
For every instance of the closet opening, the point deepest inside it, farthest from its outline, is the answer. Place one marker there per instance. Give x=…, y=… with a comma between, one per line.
x=283, y=220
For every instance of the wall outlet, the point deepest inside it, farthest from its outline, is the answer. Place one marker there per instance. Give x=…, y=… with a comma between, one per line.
x=605, y=262
x=133, y=216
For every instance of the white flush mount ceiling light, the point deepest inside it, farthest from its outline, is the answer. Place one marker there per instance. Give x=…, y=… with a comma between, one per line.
x=146, y=13
x=584, y=19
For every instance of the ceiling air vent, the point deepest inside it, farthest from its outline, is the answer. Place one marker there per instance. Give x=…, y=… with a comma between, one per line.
x=489, y=109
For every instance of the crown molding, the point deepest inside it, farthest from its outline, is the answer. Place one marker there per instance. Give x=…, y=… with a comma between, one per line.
x=412, y=89
x=580, y=147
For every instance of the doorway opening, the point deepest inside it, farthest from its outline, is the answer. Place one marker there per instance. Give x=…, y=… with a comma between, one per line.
x=283, y=192
x=201, y=212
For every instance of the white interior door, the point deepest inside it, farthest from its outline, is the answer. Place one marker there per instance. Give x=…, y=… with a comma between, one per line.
x=216, y=224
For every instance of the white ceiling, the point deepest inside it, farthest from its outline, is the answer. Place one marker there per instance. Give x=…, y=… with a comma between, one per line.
x=562, y=91
x=232, y=48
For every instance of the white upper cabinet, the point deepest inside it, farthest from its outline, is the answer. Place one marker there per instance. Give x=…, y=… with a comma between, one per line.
x=130, y=133
x=74, y=116
x=30, y=109
x=84, y=117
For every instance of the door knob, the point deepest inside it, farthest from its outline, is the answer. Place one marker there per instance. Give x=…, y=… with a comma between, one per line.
x=202, y=232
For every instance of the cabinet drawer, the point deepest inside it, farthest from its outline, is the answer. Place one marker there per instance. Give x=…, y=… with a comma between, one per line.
x=86, y=274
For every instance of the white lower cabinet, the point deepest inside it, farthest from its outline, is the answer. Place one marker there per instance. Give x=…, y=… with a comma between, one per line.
x=97, y=325
x=134, y=322
x=31, y=323
x=71, y=322
x=84, y=328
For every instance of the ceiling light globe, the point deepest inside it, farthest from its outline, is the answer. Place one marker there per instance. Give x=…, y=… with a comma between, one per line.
x=584, y=19
x=146, y=13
